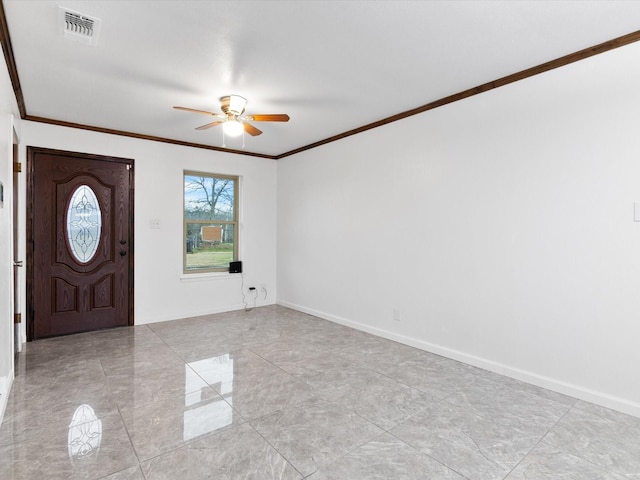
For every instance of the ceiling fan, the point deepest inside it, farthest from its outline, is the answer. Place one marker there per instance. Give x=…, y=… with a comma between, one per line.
x=233, y=120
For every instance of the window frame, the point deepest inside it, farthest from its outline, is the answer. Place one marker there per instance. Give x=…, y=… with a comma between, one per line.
x=235, y=222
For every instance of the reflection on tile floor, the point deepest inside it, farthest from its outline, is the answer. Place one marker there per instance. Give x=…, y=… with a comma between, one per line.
x=272, y=393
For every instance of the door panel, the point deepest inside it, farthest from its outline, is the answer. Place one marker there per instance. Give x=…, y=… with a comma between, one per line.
x=81, y=220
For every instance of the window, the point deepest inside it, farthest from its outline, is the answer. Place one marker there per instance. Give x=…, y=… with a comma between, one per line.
x=210, y=222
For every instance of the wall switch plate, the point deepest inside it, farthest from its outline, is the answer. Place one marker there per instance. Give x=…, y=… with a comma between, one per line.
x=636, y=212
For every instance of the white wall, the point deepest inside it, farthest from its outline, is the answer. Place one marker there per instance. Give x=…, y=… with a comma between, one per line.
x=501, y=227
x=161, y=292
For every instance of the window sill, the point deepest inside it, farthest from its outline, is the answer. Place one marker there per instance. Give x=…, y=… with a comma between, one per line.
x=196, y=277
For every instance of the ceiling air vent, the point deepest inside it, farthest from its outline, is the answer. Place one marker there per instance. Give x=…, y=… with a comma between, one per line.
x=79, y=27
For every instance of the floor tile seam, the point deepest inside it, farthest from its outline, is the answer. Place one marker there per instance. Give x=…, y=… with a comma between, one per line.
x=96, y=335
x=435, y=459
x=431, y=394
x=481, y=374
x=233, y=409
x=104, y=372
x=540, y=441
x=104, y=477
x=371, y=422
x=578, y=454
x=51, y=369
x=174, y=343
x=279, y=367
x=24, y=441
x=126, y=429
x=128, y=409
x=269, y=414
x=384, y=430
x=302, y=475
x=478, y=447
x=349, y=451
x=48, y=415
x=212, y=387
x=490, y=420
x=167, y=345
x=493, y=420
x=291, y=405
x=412, y=387
x=184, y=444
x=9, y=444
x=118, y=350
x=575, y=454
x=480, y=450
x=635, y=427
x=138, y=467
x=36, y=358
x=155, y=368
x=406, y=419
x=340, y=405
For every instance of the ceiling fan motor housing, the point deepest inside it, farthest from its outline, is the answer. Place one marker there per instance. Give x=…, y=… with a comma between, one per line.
x=233, y=104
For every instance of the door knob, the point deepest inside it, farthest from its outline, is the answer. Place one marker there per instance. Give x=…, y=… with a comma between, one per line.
x=122, y=253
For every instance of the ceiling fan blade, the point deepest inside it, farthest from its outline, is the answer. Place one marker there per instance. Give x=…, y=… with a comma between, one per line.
x=251, y=130
x=270, y=117
x=209, y=125
x=197, y=111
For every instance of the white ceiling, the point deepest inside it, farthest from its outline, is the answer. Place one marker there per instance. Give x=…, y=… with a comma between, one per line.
x=331, y=65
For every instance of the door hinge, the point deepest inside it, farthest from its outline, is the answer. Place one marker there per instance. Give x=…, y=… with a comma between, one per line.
x=17, y=318
x=17, y=167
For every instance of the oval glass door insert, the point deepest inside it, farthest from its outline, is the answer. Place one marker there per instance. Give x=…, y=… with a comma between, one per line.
x=84, y=223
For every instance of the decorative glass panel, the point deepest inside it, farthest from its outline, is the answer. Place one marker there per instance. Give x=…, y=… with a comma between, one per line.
x=84, y=223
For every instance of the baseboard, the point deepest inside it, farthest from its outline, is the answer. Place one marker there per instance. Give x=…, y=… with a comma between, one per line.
x=202, y=312
x=577, y=391
x=5, y=390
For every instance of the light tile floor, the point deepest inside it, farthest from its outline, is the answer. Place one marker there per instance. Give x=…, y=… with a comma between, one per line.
x=272, y=393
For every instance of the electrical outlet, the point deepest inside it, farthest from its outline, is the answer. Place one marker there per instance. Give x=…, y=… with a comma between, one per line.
x=397, y=314
x=154, y=223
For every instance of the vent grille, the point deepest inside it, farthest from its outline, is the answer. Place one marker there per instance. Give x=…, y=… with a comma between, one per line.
x=78, y=24
x=79, y=27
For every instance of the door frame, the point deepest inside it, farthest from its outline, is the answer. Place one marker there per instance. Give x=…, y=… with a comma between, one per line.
x=30, y=273
x=18, y=283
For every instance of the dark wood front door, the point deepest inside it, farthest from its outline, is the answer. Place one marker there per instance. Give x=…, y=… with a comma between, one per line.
x=80, y=267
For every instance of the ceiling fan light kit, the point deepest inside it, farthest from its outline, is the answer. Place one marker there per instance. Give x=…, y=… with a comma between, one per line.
x=233, y=120
x=233, y=127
